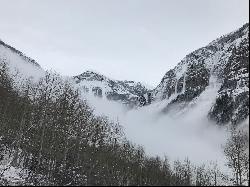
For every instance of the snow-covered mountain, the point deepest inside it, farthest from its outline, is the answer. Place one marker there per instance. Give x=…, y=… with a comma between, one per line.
x=218, y=72
x=126, y=92
x=223, y=64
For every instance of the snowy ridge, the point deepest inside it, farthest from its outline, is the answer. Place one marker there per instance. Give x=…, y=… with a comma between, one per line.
x=214, y=56
x=18, y=63
x=126, y=92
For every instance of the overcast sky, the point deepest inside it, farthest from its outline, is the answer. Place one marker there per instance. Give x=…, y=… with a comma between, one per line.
x=124, y=39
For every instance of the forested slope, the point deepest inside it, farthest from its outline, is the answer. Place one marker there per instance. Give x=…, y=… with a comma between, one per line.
x=52, y=134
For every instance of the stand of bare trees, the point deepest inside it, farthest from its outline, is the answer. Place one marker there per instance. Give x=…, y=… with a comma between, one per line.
x=237, y=152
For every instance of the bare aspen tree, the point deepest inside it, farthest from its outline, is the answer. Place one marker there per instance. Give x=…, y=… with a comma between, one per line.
x=236, y=152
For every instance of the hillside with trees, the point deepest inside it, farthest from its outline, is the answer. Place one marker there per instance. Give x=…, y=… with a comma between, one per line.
x=49, y=132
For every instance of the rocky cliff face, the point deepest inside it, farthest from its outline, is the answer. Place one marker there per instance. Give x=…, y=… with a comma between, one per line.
x=232, y=103
x=126, y=92
x=226, y=60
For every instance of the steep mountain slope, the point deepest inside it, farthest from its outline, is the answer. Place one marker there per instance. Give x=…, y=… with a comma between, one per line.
x=225, y=62
x=126, y=92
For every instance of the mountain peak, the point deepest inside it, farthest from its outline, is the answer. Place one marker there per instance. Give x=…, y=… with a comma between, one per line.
x=127, y=92
x=90, y=75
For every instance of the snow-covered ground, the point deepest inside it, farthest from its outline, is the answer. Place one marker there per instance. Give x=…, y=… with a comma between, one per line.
x=10, y=175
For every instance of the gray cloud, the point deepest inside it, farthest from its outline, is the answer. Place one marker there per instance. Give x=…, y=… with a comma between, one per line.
x=132, y=39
